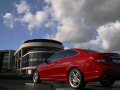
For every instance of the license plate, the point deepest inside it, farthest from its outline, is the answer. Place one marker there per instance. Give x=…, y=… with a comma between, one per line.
x=116, y=61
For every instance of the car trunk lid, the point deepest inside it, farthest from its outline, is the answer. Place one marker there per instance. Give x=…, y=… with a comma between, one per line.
x=111, y=58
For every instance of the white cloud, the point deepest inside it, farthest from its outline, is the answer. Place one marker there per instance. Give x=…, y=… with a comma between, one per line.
x=64, y=8
x=34, y=21
x=92, y=44
x=108, y=38
x=109, y=34
x=71, y=31
x=8, y=20
x=77, y=17
x=99, y=12
x=74, y=21
x=26, y=17
x=23, y=7
x=72, y=27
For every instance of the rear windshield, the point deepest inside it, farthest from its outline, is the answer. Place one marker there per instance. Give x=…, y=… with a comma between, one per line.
x=92, y=51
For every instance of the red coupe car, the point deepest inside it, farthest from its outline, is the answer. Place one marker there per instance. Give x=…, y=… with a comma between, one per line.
x=78, y=67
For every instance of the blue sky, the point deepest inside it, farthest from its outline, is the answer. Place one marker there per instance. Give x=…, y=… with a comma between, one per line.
x=8, y=37
x=12, y=38
x=92, y=24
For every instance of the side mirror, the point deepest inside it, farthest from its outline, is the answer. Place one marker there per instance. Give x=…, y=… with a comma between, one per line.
x=45, y=60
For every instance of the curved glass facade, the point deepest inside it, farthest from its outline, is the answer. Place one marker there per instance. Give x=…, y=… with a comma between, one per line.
x=34, y=59
x=32, y=53
x=44, y=49
x=35, y=56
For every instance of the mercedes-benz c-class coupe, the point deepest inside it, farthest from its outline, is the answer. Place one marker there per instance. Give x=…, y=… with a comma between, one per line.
x=78, y=67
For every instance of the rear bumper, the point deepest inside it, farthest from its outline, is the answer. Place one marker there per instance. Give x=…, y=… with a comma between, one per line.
x=113, y=73
x=101, y=74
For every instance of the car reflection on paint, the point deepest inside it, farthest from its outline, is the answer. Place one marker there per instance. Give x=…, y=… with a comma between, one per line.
x=78, y=67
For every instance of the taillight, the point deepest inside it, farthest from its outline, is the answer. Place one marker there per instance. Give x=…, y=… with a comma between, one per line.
x=101, y=60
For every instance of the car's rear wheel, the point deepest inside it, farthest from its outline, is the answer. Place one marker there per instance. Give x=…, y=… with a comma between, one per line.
x=76, y=79
x=36, y=77
x=107, y=82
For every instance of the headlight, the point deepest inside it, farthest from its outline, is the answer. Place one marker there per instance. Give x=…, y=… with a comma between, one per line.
x=29, y=72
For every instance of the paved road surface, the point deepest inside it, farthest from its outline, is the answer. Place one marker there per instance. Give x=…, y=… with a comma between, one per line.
x=20, y=84
x=14, y=84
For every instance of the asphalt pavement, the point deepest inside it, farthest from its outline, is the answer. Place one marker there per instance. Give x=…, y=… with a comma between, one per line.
x=20, y=85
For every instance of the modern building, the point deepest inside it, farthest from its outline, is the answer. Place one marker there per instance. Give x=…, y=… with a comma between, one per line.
x=7, y=60
x=32, y=52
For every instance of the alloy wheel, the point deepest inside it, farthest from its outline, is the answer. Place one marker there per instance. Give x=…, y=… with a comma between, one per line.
x=76, y=79
x=35, y=77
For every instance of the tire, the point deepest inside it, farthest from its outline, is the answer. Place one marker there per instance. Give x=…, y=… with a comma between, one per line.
x=107, y=82
x=36, y=78
x=76, y=79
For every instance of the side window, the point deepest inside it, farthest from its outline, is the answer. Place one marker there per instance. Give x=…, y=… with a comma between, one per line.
x=70, y=53
x=63, y=54
x=56, y=56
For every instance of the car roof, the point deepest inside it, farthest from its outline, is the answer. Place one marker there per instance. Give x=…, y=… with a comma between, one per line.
x=80, y=50
x=75, y=49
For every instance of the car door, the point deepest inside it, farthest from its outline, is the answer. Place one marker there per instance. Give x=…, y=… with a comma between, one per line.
x=50, y=70
x=65, y=63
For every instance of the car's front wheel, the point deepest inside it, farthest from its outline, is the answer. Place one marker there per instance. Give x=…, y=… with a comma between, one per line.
x=107, y=82
x=36, y=77
x=76, y=79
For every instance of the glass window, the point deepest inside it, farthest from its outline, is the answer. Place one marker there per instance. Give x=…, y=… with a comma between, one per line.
x=25, y=61
x=35, y=63
x=92, y=51
x=69, y=53
x=44, y=49
x=34, y=59
x=56, y=56
x=6, y=54
x=5, y=61
x=72, y=53
x=62, y=54
x=5, y=65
